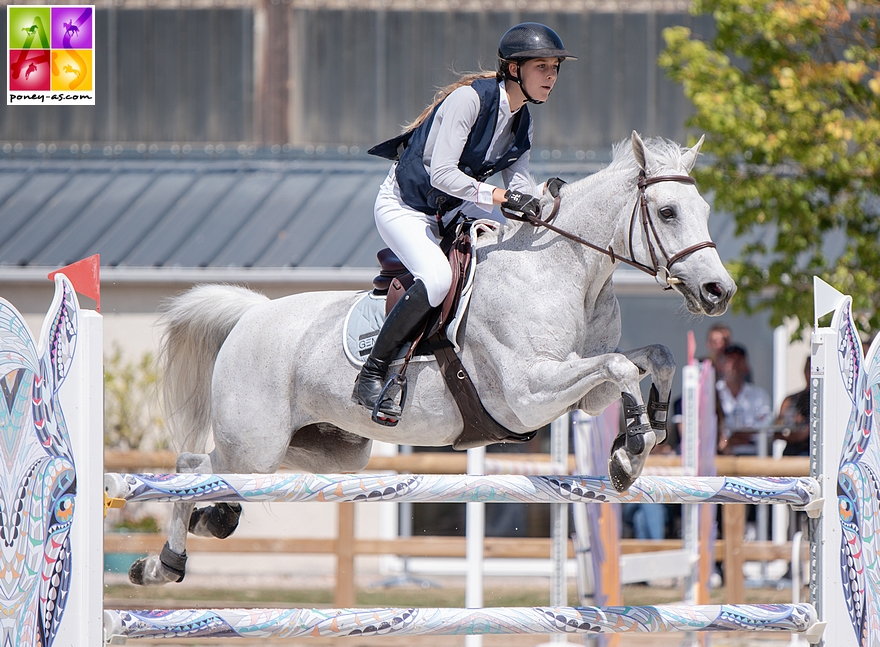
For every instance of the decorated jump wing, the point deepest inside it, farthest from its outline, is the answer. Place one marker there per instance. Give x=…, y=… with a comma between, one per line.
x=858, y=485
x=37, y=472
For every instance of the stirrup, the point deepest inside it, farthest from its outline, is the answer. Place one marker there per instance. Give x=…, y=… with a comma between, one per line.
x=635, y=430
x=383, y=417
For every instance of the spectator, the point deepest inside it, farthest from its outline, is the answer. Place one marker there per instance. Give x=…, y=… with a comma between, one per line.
x=745, y=406
x=794, y=414
x=718, y=338
x=648, y=520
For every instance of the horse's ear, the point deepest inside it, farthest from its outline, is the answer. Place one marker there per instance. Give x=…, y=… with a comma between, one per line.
x=689, y=157
x=644, y=157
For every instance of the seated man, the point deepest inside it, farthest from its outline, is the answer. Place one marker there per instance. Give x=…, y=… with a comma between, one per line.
x=745, y=405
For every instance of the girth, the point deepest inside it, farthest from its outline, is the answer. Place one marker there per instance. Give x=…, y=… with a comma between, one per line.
x=394, y=280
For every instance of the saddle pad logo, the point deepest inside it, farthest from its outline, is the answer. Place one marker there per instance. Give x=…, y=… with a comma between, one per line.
x=366, y=342
x=50, y=55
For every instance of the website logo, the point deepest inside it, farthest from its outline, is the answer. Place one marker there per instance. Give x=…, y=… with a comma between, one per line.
x=50, y=54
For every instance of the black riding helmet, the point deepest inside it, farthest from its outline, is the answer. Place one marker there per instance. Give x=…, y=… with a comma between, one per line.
x=526, y=41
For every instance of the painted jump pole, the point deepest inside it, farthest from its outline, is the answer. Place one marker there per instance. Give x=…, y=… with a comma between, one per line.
x=300, y=623
x=799, y=492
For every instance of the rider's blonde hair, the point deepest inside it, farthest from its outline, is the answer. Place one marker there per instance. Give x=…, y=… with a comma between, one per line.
x=465, y=79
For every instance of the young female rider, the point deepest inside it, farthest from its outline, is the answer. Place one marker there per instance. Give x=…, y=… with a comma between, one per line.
x=476, y=127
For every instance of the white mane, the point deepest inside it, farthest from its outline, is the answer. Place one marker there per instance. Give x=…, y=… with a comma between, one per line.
x=667, y=152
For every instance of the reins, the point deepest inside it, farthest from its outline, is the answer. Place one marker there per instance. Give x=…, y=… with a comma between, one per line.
x=640, y=207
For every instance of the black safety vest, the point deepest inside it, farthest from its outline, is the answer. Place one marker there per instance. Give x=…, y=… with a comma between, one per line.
x=415, y=182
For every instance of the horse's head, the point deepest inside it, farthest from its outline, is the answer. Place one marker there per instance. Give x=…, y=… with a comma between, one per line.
x=670, y=227
x=37, y=473
x=644, y=210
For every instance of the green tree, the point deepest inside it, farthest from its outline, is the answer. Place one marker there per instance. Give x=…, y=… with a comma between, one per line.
x=788, y=94
x=131, y=390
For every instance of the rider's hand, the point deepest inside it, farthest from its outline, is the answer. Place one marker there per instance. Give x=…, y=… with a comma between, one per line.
x=521, y=204
x=553, y=185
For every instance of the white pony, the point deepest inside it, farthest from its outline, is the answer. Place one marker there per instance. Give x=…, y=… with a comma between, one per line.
x=271, y=380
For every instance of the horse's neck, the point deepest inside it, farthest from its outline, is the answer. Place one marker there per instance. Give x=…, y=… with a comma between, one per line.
x=596, y=209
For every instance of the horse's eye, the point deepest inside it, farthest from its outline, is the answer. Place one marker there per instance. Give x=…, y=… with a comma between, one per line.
x=667, y=213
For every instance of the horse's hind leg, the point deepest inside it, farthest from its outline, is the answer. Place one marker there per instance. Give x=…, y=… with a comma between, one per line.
x=217, y=520
x=170, y=564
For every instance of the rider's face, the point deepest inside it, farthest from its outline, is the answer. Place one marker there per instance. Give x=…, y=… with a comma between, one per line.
x=539, y=76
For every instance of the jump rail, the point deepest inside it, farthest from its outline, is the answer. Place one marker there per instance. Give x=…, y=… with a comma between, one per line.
x=799, y=492
x=296, y=623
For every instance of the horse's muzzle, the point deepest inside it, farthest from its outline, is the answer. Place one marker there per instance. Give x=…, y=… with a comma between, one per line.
x=715, y=297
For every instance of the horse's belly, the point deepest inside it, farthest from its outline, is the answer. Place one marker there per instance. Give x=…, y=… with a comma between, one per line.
x=284, y=367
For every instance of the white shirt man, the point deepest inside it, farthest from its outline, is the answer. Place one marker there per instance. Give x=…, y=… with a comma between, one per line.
x=744, y=404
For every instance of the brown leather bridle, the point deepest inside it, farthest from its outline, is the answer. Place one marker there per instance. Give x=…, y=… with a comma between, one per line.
x=641, y=208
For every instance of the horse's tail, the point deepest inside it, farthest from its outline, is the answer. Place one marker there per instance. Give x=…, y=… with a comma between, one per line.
x=196, y=323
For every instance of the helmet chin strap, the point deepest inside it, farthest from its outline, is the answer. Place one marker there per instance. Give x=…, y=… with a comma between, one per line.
x=523, y=88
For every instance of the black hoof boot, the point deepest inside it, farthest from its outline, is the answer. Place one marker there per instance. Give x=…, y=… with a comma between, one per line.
x=629, y=451
x=173, y=562
x=655, y=406
x=219, y=520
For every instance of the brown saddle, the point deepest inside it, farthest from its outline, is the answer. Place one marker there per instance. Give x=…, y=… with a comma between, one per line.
x=394, y=280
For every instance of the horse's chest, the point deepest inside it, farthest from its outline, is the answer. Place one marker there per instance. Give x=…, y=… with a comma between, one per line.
x=602, y=328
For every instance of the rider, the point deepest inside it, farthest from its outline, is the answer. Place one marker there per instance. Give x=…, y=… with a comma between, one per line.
x=476, y=127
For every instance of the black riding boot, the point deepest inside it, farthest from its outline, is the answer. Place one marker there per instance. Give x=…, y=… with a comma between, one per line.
x=400, y=324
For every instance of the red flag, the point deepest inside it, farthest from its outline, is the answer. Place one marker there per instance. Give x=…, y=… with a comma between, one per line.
x=85, y=275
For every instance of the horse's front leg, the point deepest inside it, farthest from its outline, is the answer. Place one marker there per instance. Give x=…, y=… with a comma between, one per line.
x=572, y=381
x=658, y=362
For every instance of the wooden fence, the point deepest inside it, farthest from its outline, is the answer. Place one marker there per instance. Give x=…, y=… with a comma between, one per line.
x=733, y=550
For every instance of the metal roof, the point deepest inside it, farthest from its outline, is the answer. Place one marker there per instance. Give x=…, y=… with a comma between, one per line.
x=306, y=213
x=189, y=214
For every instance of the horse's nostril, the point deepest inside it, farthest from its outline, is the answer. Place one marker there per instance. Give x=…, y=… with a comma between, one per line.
x=714, y=290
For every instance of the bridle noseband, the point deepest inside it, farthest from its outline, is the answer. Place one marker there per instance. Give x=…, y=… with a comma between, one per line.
x=640, y=209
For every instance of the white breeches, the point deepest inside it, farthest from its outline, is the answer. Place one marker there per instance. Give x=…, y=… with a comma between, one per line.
x=414, y=237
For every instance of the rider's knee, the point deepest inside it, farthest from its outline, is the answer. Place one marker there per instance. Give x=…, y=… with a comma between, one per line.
x=438, y=285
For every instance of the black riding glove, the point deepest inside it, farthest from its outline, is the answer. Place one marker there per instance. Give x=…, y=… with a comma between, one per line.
x=520, y=204
x=553, y=186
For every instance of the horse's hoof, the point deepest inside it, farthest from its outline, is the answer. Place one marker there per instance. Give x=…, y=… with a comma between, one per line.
x=621, y=479
x=136, y=572
x=625, y=467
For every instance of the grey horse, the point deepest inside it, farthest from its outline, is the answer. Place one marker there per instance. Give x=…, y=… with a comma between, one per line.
x=270, y=378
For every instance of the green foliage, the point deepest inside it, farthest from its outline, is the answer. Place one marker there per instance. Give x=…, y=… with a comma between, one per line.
x=142, y=524
x=788, y=94
x=130, y=397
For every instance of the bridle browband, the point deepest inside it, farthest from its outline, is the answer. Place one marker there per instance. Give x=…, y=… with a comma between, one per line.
x=641, y=208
